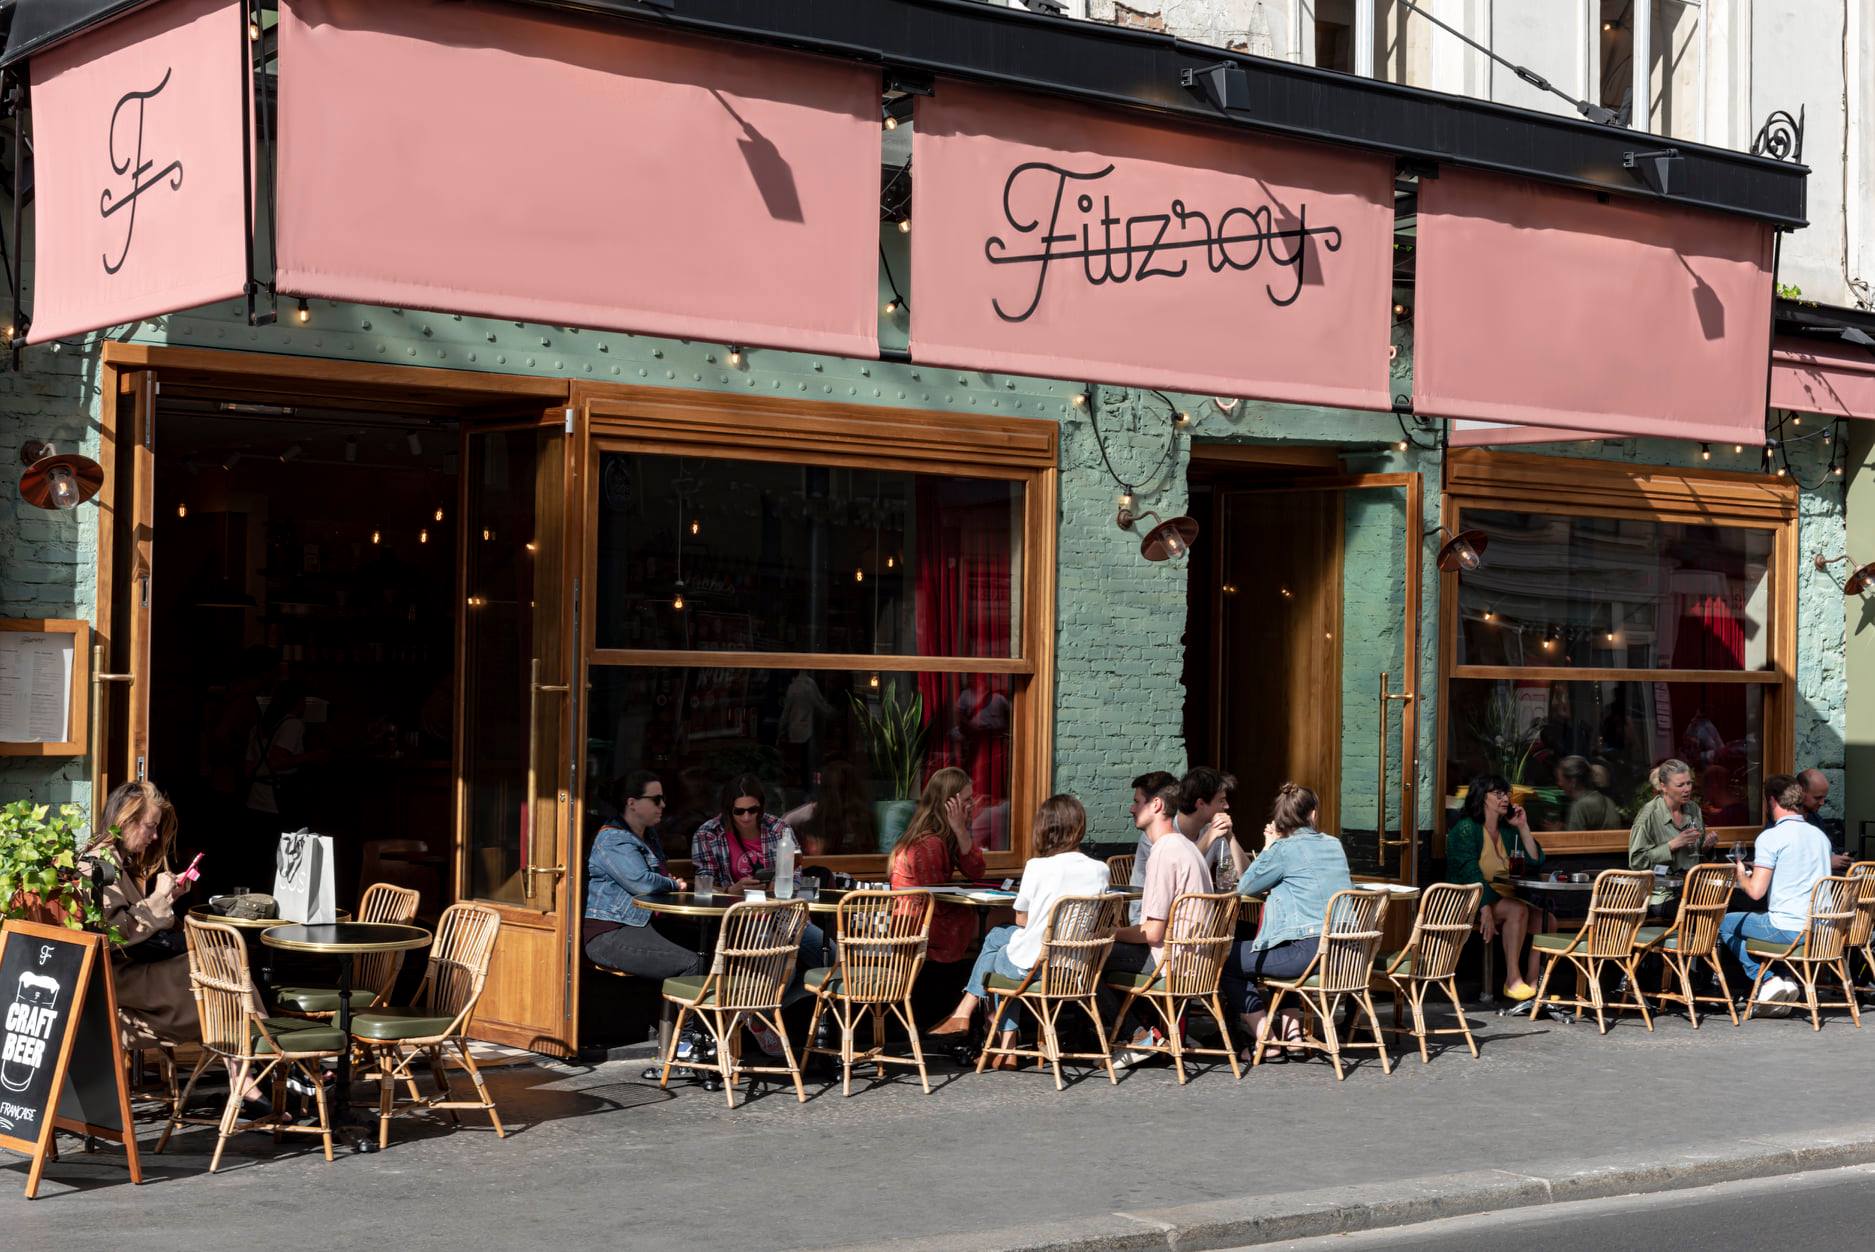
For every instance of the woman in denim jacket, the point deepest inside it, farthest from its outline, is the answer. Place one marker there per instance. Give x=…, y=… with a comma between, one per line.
x=1299, y=870
x=626, y=862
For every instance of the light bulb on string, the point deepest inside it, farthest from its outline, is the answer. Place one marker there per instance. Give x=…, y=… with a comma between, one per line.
x=303, y=313
x=891, y=306
x=1737, y=448
x=859, y=575
x=1705, y=452
x=182, y=510
x=439, y=515
x=423, y=536
x=735, y=355
x=695, y=526
x=904, y=226
x=376, y=536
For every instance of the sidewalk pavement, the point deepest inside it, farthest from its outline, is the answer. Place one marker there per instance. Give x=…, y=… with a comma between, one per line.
x=599, y=1157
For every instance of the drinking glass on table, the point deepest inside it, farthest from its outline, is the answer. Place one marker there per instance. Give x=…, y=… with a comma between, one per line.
x=706, y=886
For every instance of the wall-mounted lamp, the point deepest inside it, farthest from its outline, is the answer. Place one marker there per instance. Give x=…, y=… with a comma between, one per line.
x=1860, y=579
x=1169, y=540
x=52, y=481
x=1463, y=551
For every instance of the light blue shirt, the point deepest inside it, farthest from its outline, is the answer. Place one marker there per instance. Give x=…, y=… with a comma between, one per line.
x=1798, y=855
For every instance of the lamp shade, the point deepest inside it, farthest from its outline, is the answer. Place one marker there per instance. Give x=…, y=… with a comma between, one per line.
x=1463, y=551
x=1169, y=540
x=61, y=482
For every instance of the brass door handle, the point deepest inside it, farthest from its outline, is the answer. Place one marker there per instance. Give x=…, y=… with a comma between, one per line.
x=535, y=688
x=1380, y=786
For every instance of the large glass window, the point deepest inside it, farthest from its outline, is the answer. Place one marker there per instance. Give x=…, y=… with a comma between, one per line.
x=896, y=597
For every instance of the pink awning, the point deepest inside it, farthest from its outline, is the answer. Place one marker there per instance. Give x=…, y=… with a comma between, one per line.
x=1053, y=239
x=1464, y=434
x=480, y=159
x=1813, y=376
x=1541, y=306
x=137, y=168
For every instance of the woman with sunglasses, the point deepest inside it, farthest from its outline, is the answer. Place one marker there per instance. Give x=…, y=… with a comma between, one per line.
x=627, y=861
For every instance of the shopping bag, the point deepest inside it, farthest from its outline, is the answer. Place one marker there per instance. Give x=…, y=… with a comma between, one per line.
x=302, y=880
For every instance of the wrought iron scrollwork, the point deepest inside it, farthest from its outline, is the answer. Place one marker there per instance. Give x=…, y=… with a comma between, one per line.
x=1781, y=137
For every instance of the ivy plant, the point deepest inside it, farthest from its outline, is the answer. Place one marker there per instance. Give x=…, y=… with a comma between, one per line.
x=39, y=873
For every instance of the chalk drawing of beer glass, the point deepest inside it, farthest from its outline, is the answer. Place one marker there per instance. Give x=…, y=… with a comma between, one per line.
x=35, y=991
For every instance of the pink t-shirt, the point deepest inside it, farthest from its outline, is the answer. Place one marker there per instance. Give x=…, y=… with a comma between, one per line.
x=1176, y=868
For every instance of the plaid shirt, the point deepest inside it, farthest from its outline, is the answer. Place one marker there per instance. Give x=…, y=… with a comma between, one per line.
x=709, y=849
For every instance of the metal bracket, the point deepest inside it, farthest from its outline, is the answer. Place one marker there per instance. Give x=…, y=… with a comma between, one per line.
x=1781, y=137
x=1224, y=84
x=1652, y=166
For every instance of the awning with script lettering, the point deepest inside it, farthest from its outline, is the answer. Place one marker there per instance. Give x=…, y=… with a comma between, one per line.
x=498, y=161
x=1050, y=238
x=1544, y=306
x=137, y=147
x=1819, y=376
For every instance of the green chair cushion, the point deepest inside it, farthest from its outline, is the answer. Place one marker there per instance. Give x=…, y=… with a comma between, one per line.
x=1551, y=943
x=1383, y=964
x=319, y=999
x=293, y=1035
x=1771, y=947
x=390, y=1025
x=1002, y=982
x=815, y=979
x=1648, y=934
x=687, y=989
x=1129, y=982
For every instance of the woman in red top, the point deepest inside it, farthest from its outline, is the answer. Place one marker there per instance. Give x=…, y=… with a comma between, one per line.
x=935, y=848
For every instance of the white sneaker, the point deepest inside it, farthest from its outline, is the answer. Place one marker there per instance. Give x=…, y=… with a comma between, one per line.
x=1134, y=1054
x=1775, y=996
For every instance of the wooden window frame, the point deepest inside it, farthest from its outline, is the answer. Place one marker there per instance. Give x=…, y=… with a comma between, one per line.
x=704, y=426
x=1477, y=478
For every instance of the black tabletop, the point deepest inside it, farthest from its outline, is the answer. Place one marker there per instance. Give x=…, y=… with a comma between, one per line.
x=346, y=937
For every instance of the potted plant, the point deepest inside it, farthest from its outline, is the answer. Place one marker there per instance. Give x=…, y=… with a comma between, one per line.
x=895, y=735
x=39, y=876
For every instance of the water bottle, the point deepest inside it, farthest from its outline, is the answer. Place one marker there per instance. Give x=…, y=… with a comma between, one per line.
x=786, y=851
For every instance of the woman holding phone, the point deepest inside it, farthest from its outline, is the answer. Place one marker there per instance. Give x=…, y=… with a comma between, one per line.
x=1491, y=844
x=151, y=967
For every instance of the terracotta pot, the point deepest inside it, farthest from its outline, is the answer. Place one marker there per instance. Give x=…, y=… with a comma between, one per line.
x=29, y=906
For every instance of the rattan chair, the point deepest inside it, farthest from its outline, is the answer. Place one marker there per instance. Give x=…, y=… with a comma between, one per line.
x=394, y=1039
x=1862, y=931
x=1823, y=945
x=1617, y=907
x=756, y=952
x=254, y=1047
x=1120, y=870
x=882, y=938
x=1198, y=938
x=1076, y=942
x=1693, y=937
x=373, y=975
x=1447, y=916
x=1343, y=969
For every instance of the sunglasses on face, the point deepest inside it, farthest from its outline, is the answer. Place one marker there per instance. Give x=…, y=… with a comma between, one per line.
x=657, y=800
x=750, y=811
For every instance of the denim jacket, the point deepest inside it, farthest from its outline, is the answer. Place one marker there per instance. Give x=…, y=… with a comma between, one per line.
x=621, y=867
x=1300, y=873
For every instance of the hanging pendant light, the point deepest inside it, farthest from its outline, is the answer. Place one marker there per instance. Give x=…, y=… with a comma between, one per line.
x=1463, y=551
x=54, y=481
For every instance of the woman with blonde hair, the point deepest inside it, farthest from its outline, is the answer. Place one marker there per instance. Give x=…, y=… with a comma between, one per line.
x=937, y=846
x=1058, y=868
x=151, y=967
x=1669, y=830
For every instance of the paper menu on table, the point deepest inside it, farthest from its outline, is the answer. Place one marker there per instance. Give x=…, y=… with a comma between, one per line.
x=35, y=687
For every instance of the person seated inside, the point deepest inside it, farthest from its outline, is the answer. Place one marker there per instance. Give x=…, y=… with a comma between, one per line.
x=1145, y=787
x=736, y=849
x=1787, y=862
x=1177, y=869
x=1479, y=848
x=1585, y=807
x=1059, y=868
x=937, y=847
x=1297, y=874
x=1204, y=818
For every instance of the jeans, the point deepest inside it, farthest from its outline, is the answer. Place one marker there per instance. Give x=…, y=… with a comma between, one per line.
x=994, y=959
x=643, y=951
x=1246, y=964
x=1738, y=927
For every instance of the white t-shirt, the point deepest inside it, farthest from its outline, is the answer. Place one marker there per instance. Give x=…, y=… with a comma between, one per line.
x=1045, y=879
x=1798, y=854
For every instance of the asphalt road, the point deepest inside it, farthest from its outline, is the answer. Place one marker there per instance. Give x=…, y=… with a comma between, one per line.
x=1828, y=1209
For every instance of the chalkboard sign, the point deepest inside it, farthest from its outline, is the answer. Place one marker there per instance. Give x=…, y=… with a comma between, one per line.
x=61, y=1066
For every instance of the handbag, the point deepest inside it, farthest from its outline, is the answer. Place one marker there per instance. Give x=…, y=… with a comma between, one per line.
x=164, y=945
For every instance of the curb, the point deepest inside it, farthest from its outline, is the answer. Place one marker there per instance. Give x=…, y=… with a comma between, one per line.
x=1374, y=1206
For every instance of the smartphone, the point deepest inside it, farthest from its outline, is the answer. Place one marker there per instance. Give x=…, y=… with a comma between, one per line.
x=193, y=872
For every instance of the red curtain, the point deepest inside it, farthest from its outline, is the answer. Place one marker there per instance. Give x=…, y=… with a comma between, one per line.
x=963, y=610
x=1711, y=635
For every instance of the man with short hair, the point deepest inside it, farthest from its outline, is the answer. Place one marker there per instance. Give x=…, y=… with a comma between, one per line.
x=1204, y=818
x=1176, y=869
x=1145, y=787
x=1815, y=784
x=1788, y=860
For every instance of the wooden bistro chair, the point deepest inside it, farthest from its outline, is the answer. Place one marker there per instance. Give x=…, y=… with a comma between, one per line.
x=1198, y=940
x=756, y=952
x=1823, y=945
x=373, y=974
x=1693, y=937
x=1617, y=907
x=882, y=938
x=394, y=1039
x=1447, y=917
x=1862, y=931
x=1343, y=969
x=1120, y=870
x=254, y=1047
x=1075, y=945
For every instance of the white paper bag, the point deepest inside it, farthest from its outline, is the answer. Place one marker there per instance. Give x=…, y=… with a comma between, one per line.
x=302, y=880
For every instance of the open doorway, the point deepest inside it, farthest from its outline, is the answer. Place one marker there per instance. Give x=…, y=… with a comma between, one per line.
x=301, y=653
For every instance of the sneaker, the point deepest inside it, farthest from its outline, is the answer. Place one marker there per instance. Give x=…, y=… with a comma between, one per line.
x=1136, y=1052
x=765, y=1036
x=1775, y=996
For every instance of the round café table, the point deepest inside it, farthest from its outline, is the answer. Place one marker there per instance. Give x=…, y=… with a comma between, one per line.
x=346, y=940
x=251, y=929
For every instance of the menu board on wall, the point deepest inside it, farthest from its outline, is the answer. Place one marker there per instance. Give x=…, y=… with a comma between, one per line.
x=43, y=671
